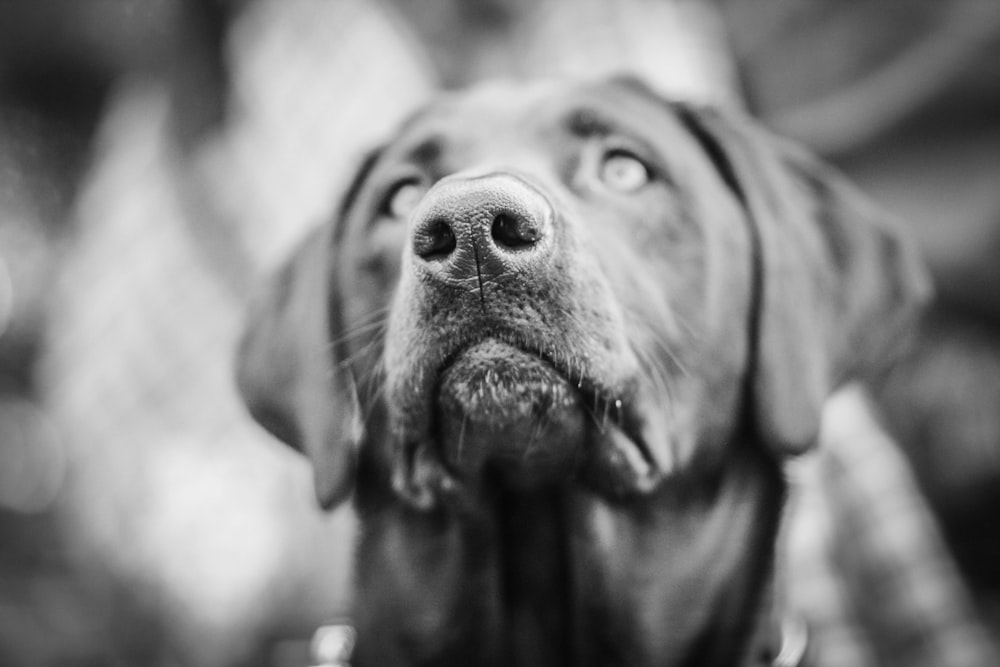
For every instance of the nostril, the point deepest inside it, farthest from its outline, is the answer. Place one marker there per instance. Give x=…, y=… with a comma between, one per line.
x=515, y=231
x=435, y=240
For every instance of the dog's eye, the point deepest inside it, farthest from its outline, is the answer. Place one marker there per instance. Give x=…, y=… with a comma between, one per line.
x=624, y=172
x=403, y=198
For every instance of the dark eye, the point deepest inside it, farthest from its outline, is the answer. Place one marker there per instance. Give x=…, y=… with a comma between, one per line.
x=623, y=172
x=403, y=198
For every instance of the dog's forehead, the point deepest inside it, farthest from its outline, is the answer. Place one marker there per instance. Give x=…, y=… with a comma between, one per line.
x=491, y=104
x=506, y=112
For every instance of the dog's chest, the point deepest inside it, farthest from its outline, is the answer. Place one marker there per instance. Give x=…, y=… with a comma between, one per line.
x=536, y=575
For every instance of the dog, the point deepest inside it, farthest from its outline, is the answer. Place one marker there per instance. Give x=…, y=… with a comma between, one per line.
x=558, y=341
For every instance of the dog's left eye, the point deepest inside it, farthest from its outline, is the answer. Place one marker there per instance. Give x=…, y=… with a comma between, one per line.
x=403, y=198
x=624, y=172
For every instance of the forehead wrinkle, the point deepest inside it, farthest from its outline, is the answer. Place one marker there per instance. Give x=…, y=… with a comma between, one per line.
x=484, y=127
x=500, y=139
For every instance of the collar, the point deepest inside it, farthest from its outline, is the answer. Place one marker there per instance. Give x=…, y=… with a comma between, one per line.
x=794, y=643
x=332, y=645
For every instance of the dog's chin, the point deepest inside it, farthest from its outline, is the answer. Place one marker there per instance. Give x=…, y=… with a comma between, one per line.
x=501, y=408
x=509, y=413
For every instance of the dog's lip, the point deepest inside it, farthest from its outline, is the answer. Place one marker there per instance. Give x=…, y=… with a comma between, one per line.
x=617, y=420
x=597, y=399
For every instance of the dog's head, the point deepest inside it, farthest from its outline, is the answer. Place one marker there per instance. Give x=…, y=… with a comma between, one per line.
x=560, y=280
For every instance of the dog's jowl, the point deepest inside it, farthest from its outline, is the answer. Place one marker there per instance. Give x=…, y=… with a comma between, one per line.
x=557, y=342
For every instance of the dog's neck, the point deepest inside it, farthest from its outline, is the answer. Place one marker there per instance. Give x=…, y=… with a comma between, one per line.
x=562, y=577
x=685, y=575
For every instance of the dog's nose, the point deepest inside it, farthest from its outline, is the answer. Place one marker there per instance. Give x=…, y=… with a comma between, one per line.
x=471, y=226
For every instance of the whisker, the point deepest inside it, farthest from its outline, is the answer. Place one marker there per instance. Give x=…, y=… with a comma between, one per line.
x=663, y=347
x=461, y=438
x=593, y=415
x=683, y=323
x=357, y=331
x=365, y=349
x=373, y=319
x=375, y=384
x=536, y=432
x=657, y=375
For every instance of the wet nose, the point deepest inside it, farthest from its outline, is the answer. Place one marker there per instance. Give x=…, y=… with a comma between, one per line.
x=483, y=225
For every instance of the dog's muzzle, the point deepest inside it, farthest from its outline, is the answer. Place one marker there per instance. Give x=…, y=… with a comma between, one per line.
x=501, y=345
x=498, y=399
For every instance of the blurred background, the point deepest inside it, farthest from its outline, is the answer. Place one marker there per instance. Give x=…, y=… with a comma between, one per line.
x=157, y=157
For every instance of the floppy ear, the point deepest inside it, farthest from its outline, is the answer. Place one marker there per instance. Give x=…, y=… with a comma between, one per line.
x=838, y=286
x=287, y=374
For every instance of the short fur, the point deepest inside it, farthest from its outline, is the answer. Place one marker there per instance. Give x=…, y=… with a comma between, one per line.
x=565, y=429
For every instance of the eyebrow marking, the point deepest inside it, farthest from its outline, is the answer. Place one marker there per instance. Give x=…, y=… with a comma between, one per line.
x=587, y=122
x=428, y=151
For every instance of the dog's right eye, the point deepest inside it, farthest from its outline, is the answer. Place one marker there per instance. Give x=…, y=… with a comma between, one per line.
x=624, y=172
x=402, y=198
